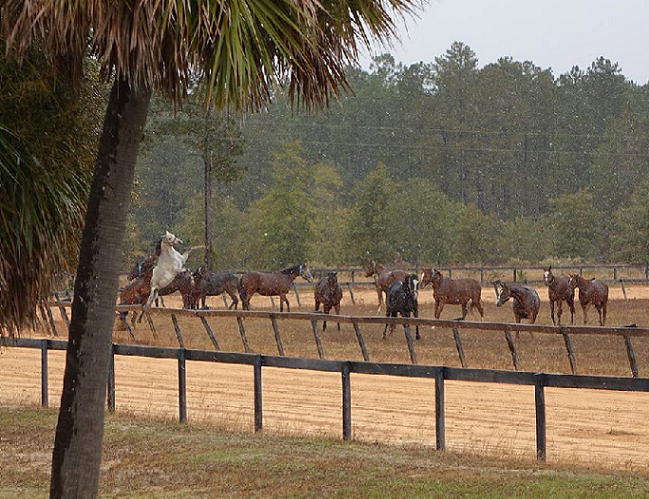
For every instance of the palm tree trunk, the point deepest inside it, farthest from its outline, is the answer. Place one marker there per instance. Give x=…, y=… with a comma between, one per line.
x=76, y=458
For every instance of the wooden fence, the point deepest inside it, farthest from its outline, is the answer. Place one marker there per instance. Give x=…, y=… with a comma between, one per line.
x=625, y=333
x=437, y=373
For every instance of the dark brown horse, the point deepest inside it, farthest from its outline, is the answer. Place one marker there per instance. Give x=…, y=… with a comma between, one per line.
x=328, y=292
x=271, y=284
x=453, y=292
x=593, y=292
x=526, y=300
x=384, y=277
x=559, y=290
x=402, y=299
x=208, y=283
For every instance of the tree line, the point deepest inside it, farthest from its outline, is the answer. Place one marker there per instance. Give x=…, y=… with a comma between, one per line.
x=444, y=162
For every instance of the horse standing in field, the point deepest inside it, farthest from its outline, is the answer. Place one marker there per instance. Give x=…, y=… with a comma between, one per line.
x=208, y=283
x=526, y=300
x=384, y=278
x=328, y=292
x=559, y=290
x=453, y=292
x=271, y=284
x=593, y=292
x=402, y=298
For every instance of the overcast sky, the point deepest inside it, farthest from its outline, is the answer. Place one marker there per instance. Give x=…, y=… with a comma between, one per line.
x=556, y=34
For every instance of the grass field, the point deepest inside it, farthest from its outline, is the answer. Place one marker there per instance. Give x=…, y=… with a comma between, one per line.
x=153, y=459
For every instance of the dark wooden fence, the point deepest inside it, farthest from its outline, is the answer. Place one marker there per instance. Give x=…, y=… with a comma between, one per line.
x=437, y=373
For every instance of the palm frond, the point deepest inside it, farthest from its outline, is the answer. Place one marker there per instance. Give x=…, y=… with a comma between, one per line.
x=241, y=48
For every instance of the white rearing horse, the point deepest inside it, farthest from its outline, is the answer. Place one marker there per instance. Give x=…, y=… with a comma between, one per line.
x=170, y=263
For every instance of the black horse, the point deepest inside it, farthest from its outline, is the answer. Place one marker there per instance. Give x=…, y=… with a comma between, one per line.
x=402, y=299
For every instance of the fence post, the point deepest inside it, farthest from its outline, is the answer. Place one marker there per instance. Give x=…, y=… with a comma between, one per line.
x=539, y=399
x=44, y=383
x=208, y=329
x=318, y=341
x=623, y=290
x=361, y=342
x=458, y=345
x=259, y=419
x=347, y=402
x=111, y=379
x=512, y=348
x=351, y=293
x=411, y=345
x=631, y=354
x=440, y=425
x=571, y=353
x=182, y=387
x=179, y=334
x=242, y=332
x=278, y=338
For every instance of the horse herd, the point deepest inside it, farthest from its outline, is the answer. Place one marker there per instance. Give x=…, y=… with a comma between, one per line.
x=162, y=273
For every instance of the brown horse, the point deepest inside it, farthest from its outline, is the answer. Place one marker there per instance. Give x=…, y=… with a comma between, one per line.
x=526, y=300
x=453, y=292
x=559, y=290
x=593, y=292
x=328, y=292
x=384, y=277
x=271, y=284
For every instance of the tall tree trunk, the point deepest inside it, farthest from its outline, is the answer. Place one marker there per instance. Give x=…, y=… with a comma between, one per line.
x=76, y=458
x=208, y=160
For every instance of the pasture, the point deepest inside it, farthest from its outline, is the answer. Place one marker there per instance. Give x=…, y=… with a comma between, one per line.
x=484, y=419
x=153, y=459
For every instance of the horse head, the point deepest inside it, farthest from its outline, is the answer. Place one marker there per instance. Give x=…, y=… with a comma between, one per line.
x=370, y=270
x=170, y=240
x=332, y=279
x=305, y=273
x=427, y=277
x=503, y=294
x=548, y=276
x=412, y=284
x=574, y=280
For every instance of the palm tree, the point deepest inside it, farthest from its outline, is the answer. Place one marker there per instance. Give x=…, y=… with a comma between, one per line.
x=239, y=49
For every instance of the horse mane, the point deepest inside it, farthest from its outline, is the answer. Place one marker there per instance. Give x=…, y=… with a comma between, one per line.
x=292, y=270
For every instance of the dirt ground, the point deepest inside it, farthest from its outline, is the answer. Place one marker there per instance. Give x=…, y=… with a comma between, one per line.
x=607, y=429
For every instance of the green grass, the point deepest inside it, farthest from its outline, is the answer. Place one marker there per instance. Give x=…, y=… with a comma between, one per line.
x=150, y=459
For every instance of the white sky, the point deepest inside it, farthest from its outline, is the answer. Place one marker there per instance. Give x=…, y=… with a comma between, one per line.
x=555, y=34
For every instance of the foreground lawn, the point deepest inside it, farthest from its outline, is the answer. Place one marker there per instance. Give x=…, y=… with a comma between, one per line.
x=148, y=459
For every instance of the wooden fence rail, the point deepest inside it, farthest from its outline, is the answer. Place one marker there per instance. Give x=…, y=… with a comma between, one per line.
x=346, y=368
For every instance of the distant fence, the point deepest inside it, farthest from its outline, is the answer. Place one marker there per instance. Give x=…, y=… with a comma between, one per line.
x=437, y=373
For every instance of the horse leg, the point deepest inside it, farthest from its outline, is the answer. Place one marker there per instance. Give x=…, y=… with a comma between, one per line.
x=415, y=313
x=385, y=330
x=552, y=312
x=235, y=301
x=317, y=305
x=584, y=308
x=337, y=307
x=380, y=293
x=571, y=304
x=465, y=309
x=326, y=308
x=478, y=305
x=439, y=306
